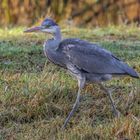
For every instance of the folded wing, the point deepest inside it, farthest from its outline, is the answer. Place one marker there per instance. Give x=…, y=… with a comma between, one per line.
x=92, y=58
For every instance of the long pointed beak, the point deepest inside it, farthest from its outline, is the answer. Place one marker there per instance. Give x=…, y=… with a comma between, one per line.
x=33, y=29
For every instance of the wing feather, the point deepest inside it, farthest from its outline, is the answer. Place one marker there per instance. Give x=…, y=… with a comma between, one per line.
x=92, y=58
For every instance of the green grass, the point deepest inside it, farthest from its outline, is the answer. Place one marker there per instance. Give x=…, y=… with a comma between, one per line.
x=36, y=96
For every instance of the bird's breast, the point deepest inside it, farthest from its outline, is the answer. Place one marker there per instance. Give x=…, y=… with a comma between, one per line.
x=54, y=56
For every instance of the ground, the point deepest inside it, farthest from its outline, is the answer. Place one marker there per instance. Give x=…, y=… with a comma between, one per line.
x=36, y=96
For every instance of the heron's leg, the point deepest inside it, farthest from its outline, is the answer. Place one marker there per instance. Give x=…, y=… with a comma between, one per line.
x=115, y=111
x=81, y=83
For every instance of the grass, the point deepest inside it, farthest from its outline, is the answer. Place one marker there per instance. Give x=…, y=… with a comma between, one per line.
x=36, y=96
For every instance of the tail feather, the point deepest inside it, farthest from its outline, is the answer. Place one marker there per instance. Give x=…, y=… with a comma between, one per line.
x=130, y=71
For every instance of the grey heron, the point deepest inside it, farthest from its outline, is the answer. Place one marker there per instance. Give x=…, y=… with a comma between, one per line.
x=87, y=62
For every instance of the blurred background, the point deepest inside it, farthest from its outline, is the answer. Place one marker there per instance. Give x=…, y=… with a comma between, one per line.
x=76, y=12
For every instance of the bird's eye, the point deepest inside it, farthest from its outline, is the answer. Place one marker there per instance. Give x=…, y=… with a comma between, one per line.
x=46, y=26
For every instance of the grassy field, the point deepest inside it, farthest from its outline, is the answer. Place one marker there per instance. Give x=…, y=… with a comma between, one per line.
x=36, y=96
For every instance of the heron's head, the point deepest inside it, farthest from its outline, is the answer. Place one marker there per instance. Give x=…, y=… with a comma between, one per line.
x=47, y=26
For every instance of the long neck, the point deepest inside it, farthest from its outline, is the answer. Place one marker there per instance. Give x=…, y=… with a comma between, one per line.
x=57, y=34
x=52, y=44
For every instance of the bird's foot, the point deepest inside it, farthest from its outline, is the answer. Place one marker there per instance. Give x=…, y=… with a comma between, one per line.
x=117, y=113
x=65, y=124
x=63, y=127
x=111, y=90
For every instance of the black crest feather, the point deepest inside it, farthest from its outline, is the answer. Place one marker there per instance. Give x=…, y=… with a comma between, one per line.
x=48, y=22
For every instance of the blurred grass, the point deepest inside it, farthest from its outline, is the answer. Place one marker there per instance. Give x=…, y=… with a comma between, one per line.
x=36, y=96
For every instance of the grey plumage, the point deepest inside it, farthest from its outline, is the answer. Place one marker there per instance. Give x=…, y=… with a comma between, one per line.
x=87, y=62
x=92, y=58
